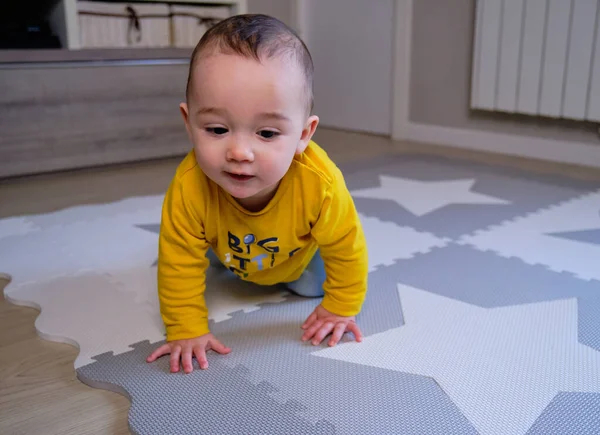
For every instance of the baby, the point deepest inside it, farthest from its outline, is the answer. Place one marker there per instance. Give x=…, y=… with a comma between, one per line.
x=256, y=194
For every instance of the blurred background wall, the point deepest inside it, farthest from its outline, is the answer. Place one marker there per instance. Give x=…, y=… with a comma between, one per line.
x=62, y=109
x=441, y=65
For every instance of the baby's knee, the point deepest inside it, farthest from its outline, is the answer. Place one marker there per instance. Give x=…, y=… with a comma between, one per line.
x=309, y=285
x=213, y=259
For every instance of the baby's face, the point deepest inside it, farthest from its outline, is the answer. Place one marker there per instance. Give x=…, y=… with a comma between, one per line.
x=247, y=120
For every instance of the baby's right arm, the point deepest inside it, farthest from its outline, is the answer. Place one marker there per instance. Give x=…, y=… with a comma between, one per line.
x=182, y=266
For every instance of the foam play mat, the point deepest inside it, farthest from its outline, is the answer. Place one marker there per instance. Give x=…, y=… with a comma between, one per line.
x=482, y=314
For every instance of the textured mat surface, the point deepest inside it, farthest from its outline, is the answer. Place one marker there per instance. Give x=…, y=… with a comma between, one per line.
x=482, y=316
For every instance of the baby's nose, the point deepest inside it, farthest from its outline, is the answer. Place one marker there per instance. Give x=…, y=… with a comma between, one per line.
x=238, y=151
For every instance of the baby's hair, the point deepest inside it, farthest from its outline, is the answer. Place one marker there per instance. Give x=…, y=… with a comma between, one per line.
x=255, y=36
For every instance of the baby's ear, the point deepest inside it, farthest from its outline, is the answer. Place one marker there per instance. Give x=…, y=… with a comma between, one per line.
x=183, y=108
x=307, y=133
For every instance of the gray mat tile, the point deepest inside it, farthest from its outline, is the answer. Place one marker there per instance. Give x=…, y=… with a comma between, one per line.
x=524, y=193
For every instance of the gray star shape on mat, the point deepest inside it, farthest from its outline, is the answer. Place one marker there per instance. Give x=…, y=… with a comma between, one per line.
x=153, y=228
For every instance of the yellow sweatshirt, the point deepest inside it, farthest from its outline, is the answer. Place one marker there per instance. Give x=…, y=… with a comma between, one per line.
x=312, y=209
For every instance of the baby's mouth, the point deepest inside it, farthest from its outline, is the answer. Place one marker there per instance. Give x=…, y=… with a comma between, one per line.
x=240, y=177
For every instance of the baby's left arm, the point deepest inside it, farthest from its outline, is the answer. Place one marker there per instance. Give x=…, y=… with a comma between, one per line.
x=343, y=247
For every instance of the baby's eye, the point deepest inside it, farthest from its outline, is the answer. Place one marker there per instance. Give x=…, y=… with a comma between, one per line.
x=216, y=130
x=268, y=134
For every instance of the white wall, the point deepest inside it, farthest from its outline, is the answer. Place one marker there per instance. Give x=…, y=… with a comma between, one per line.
x=434, y=42
x=351, y=45
x=442, y=46
x=280, y=9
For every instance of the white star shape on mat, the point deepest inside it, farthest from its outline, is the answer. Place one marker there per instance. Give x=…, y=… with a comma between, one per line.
x=500, y=366
x=389, y=242
x=532, y=238
x=423, y=197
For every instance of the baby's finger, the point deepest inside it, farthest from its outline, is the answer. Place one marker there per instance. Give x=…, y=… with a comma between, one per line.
x=323, y=332
x=200, y=353
x=309, y=320
x=186, y=359
x=353, y=327
x=175, y=354
x=163, y=350
x=219, y=347
x=311, y=330
x=338, y=332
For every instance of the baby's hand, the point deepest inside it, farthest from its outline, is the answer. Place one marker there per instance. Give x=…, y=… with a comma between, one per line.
x=185, y=348
x=321, y=322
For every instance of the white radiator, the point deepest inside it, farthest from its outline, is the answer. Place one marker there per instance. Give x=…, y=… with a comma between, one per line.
x=537, y=57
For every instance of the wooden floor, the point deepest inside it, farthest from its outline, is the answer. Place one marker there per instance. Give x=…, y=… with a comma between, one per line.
x=39, y=392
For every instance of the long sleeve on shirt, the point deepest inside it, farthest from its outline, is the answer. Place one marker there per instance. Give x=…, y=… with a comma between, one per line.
x=343, y=247
x=182, y=266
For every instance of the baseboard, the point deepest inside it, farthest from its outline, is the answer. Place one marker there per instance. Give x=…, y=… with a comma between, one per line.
x=544, y=149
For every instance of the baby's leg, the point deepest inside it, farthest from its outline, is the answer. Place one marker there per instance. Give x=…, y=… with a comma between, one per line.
x=310, y=283
x=213, y=259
